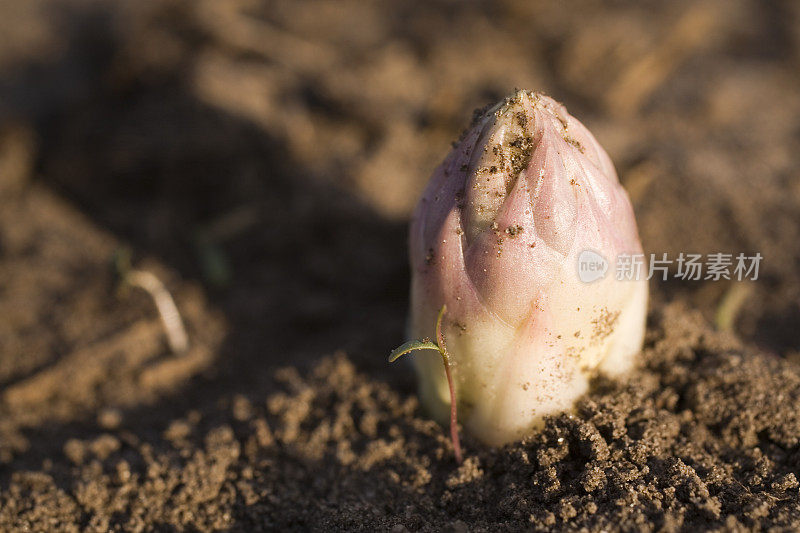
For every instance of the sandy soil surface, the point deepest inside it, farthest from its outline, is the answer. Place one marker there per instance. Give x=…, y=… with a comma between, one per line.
x=261, y=159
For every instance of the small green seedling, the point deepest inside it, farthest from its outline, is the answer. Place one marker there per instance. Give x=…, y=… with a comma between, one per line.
x=441, y=347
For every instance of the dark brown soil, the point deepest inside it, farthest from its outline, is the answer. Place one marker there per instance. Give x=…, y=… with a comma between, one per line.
x=262, y=159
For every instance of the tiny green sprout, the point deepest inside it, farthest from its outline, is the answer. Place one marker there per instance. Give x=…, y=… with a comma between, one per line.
x=731, y=304
x=441, y=346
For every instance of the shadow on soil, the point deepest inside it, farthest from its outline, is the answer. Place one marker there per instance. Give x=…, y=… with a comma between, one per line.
x=299, y=267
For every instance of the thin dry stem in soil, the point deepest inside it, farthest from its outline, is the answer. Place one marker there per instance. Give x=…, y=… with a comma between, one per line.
x=177, y=338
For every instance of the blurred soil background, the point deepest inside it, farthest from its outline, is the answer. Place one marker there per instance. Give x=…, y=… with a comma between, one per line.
x=262, y=158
